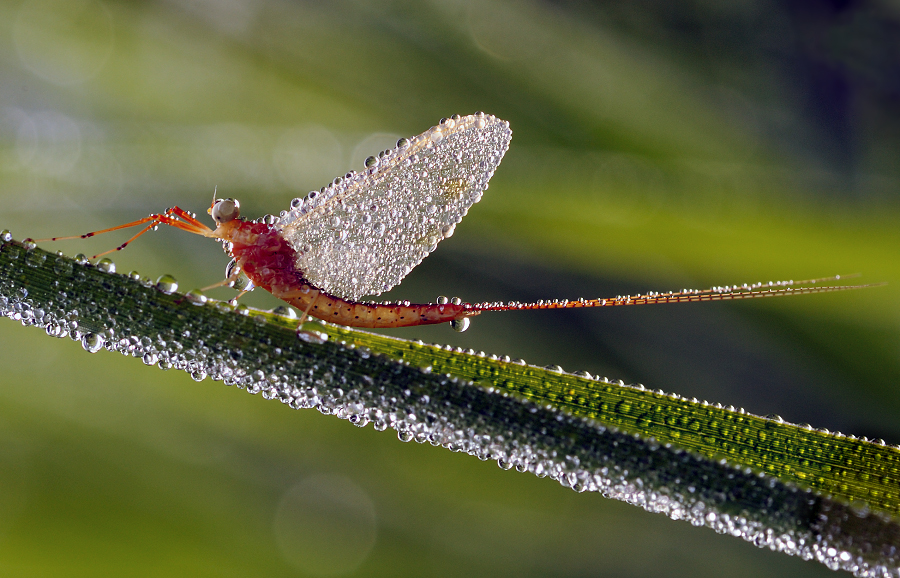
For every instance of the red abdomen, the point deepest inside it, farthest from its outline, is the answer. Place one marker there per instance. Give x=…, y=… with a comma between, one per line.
x=270, y=262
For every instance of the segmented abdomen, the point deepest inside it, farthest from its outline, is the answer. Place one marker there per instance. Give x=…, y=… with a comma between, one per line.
x=356, y=314
x=269, y=262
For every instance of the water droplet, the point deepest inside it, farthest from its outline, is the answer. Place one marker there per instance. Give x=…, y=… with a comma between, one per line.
x=242, y=283
x=35, y=259
x=402, y=143
x=460, y=324
x=441, y=300
x=5, y=236
x=106, y=265
x=285, y=311
x=29, y=244
x=62, y=266
x=56, y=330
x=312, y=336
x=196, y=297
x=81, y=259
x=91, y=342
x=405, y=436
x=167, y=284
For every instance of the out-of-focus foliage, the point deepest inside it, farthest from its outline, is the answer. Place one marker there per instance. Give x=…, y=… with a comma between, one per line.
x=656, y=145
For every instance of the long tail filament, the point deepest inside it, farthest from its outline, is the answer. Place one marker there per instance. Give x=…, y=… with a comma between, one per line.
x=725, y=293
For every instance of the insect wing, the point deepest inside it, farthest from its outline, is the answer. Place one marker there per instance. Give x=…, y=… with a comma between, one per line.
x=363, y=233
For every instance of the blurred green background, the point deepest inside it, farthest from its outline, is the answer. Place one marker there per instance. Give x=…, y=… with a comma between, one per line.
x=657, y=145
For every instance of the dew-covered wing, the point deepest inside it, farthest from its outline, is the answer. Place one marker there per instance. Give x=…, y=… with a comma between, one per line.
x=364, y=232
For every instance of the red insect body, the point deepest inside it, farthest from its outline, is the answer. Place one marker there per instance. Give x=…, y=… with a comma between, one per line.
x=363, y=233
x=268, y=261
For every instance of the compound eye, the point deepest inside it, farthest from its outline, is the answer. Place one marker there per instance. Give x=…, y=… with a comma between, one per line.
x=225, y=210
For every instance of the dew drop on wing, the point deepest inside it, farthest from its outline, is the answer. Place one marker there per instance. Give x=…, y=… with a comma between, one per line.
x=376, y=225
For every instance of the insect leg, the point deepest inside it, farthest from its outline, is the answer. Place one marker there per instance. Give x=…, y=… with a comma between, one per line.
x=125, y=244
x=187, y=217
x=224, y=282
x=233, y=300
x=229, y=281
x=191, y=226
x=308, y=308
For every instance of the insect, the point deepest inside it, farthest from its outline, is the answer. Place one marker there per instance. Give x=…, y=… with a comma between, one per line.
x=361, y=234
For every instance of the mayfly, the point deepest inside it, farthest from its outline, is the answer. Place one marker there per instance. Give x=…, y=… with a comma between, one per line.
x=364, y=232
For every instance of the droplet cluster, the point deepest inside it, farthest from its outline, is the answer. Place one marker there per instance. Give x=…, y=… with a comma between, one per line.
x=144, y=319
x=363, y=233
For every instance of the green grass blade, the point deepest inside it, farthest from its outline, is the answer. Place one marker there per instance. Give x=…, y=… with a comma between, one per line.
x=793, y=489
